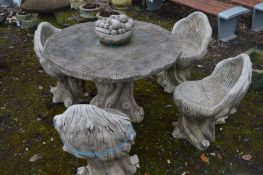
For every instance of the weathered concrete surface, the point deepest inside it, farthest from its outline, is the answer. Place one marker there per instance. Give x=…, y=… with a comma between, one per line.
x=68, y=90
x=207, y=102
x=118, y=96
x=101, y=136
x=76, y=52
x=26, y=113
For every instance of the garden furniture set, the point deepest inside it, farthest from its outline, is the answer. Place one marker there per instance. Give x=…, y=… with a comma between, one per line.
x=77, y=53
x=209, y=101
x=101, y=132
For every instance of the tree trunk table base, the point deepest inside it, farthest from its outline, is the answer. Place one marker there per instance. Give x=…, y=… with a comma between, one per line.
x=69, y=91
x=118, y=96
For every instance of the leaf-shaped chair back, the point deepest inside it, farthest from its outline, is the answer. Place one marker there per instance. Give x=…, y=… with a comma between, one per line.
x=234, y=76
x=194, y=28
x=44, y=31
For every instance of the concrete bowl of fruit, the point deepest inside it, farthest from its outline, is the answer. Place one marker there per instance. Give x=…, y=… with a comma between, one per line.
x=114, y=31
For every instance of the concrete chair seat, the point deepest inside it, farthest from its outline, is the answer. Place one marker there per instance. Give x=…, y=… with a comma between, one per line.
x=205, y=102
x=194, y=93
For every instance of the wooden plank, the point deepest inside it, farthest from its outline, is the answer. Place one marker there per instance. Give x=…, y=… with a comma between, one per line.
x=218, y=4
x=208, y=6
x=202, y=7
x=247, y=3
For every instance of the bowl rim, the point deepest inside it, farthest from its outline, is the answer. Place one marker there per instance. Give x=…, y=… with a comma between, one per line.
x=130, y=31
x=81, y=7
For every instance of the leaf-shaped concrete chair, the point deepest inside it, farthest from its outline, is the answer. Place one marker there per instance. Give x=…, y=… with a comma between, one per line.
x=194, y=34
x=205, y=102
x=68, y=90
x=101, y=136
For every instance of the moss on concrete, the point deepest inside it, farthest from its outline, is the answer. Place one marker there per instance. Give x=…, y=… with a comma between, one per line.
x=26, y=120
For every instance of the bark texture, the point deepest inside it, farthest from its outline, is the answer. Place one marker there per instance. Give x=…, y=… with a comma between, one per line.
x=118, y=96
x=101, y=136
x=68, y=90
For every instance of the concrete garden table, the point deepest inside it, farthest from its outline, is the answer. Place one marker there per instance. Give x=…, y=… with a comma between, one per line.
x=76, y=52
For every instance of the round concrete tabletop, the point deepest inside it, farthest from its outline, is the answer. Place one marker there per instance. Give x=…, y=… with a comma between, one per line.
x=76, y=52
